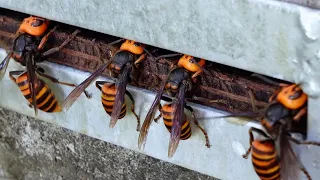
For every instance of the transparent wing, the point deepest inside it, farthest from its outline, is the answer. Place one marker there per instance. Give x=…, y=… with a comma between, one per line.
x=4, y=65
x=74, y=95
x=121, y=85
x=288, y=161
x=147, y=122
x=32, y=77
x=177, y=121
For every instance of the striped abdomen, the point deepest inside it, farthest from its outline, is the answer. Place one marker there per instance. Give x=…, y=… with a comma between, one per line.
x=108, y=97
x=264, y=159
x=45, y=99
x=167, y=114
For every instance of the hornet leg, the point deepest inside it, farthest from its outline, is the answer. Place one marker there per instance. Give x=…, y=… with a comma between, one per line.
x=46, y=37
x=302, y=168
x=160, y=110
x=132, y=109
x=14, y=73
x=251, y=130
x=169, y=55
x=197, y=123
x=253, y=101
x=300, y=114
x=99, y=83
x=141, y=58
x=274, y=94
x=115, y=42
x=194, y=76
x=88, y=95
x=303, y=142
x=56, y=49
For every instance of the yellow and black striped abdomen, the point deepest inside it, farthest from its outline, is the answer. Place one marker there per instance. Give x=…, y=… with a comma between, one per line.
x=264, y=160
x=167, y=114
x=108, y=97
x=46, y=100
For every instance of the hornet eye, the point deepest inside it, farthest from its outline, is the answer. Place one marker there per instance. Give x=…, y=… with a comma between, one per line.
x=197, y=59
x=37, y=23
x=296, y=95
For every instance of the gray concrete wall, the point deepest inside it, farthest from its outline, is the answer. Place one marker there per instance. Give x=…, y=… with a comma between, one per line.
x=33, y=150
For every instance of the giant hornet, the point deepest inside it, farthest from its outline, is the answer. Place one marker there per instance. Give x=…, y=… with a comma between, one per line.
x=122, y=62
x=27, y=50
x=273, y=156
x=177, y=84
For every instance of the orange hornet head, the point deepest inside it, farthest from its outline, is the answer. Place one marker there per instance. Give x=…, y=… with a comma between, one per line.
x=132, y=46
x=292, y=97
x=34, y=26
x=187, y=62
